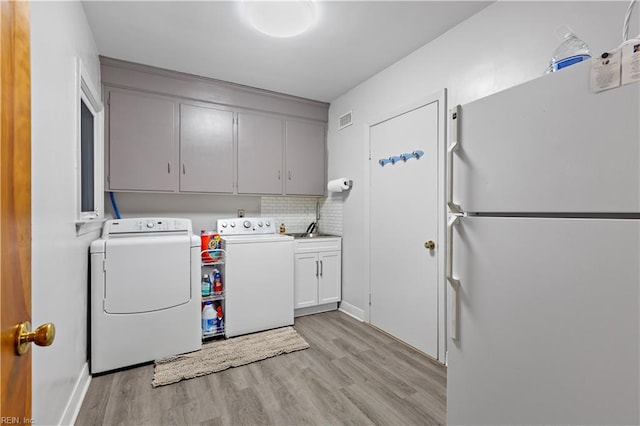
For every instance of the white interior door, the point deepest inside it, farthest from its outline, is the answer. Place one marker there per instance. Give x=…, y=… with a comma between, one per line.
x=403, y=217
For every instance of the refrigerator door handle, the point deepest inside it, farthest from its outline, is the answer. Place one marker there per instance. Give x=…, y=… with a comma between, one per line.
x=453, y=283
x=454, y=122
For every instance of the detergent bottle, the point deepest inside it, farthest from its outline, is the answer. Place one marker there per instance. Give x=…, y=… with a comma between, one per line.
x=217, y=282
x=206, y=285
x=208, y=318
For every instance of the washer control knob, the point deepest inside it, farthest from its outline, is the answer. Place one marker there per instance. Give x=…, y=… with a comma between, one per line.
x=233, y=224
x=223, y=224
x=267, y=223
x=246, y=224
x=150, y=225
x=260, y=224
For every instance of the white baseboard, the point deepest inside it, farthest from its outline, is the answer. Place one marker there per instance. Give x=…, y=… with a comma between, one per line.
x=352, y=311
x=315, y=309
x=72, y=409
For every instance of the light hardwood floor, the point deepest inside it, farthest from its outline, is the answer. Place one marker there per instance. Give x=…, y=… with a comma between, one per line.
x=351, y=374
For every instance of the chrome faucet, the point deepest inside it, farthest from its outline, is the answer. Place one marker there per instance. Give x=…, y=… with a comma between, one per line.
x=313, y=226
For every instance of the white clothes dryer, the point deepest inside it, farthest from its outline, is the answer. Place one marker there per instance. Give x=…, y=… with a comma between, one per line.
x=259, y=275
x=145, y=295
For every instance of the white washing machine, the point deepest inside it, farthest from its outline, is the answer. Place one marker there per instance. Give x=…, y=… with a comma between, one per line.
x=258, y=275
x=145, y=292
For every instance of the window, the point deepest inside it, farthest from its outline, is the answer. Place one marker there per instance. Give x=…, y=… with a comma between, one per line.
x=87, y=159
x=90, y=146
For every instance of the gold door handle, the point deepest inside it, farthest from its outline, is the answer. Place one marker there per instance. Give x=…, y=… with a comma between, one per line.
x=429, y=245
x=42, y=336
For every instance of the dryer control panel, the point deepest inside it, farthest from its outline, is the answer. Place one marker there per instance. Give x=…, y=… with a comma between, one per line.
x=145, y=225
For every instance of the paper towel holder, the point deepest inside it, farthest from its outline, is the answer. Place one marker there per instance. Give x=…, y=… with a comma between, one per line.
x=339, y=185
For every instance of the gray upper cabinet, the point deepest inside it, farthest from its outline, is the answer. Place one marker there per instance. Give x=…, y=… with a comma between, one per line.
x=305, y=158
x=142, y=142
x=206, y=149
x=260, y=154
x=174, y=132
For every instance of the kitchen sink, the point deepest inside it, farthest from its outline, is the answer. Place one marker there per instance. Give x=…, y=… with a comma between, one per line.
x=310, y=235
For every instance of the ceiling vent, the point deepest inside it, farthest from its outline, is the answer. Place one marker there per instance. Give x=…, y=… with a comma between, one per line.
x=344, y=120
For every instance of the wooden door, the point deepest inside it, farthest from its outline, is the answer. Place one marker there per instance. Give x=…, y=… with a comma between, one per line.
x=404, y=215
x=15, y=208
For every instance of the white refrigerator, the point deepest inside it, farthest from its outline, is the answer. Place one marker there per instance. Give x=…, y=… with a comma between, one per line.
x=544, y=271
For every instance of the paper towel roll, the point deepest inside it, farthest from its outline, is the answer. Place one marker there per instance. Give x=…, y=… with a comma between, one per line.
x=339, y=185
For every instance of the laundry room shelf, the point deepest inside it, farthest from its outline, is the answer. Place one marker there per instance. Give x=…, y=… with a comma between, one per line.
x=218, y=254
x=212, y=297
x=212, y=264
x=212, y=261
x=213, y=334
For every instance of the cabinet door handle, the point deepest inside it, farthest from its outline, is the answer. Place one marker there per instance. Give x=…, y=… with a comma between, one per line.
x=317, y=268
x=184, y=169
x=321, y=268
x=169, y=168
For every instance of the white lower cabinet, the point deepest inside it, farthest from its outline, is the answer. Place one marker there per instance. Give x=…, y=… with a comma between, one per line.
x=318, y=275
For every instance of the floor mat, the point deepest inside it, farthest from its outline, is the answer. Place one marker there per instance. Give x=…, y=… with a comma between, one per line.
x=222, y=354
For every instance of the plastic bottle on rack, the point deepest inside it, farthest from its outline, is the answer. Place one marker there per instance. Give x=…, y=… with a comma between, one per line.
x=217, y=281
x=206, y=285
x=571, y=51
x=208, y=318
x=219, y=322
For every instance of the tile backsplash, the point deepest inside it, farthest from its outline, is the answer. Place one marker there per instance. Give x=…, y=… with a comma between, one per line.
x=298, y=212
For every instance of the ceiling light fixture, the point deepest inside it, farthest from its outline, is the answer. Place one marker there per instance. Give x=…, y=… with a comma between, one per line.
x=281, y=18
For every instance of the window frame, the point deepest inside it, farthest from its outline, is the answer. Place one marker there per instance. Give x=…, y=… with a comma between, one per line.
x=90, y=96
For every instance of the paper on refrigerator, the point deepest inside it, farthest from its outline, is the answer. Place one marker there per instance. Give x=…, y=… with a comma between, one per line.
x=631, y=62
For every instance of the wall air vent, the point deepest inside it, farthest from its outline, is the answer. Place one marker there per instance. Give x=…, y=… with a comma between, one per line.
x=344, y=120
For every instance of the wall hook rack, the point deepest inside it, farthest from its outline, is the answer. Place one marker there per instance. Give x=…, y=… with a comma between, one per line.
x=404, y=157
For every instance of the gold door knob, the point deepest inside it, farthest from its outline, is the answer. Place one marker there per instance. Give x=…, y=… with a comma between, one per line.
x=429, y=245
x=42, y=336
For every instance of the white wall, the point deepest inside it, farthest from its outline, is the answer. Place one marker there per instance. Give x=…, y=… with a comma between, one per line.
x=59, y=33
x=506, y=44
x=205, y=209
x=202, y=209
x=297, y=213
